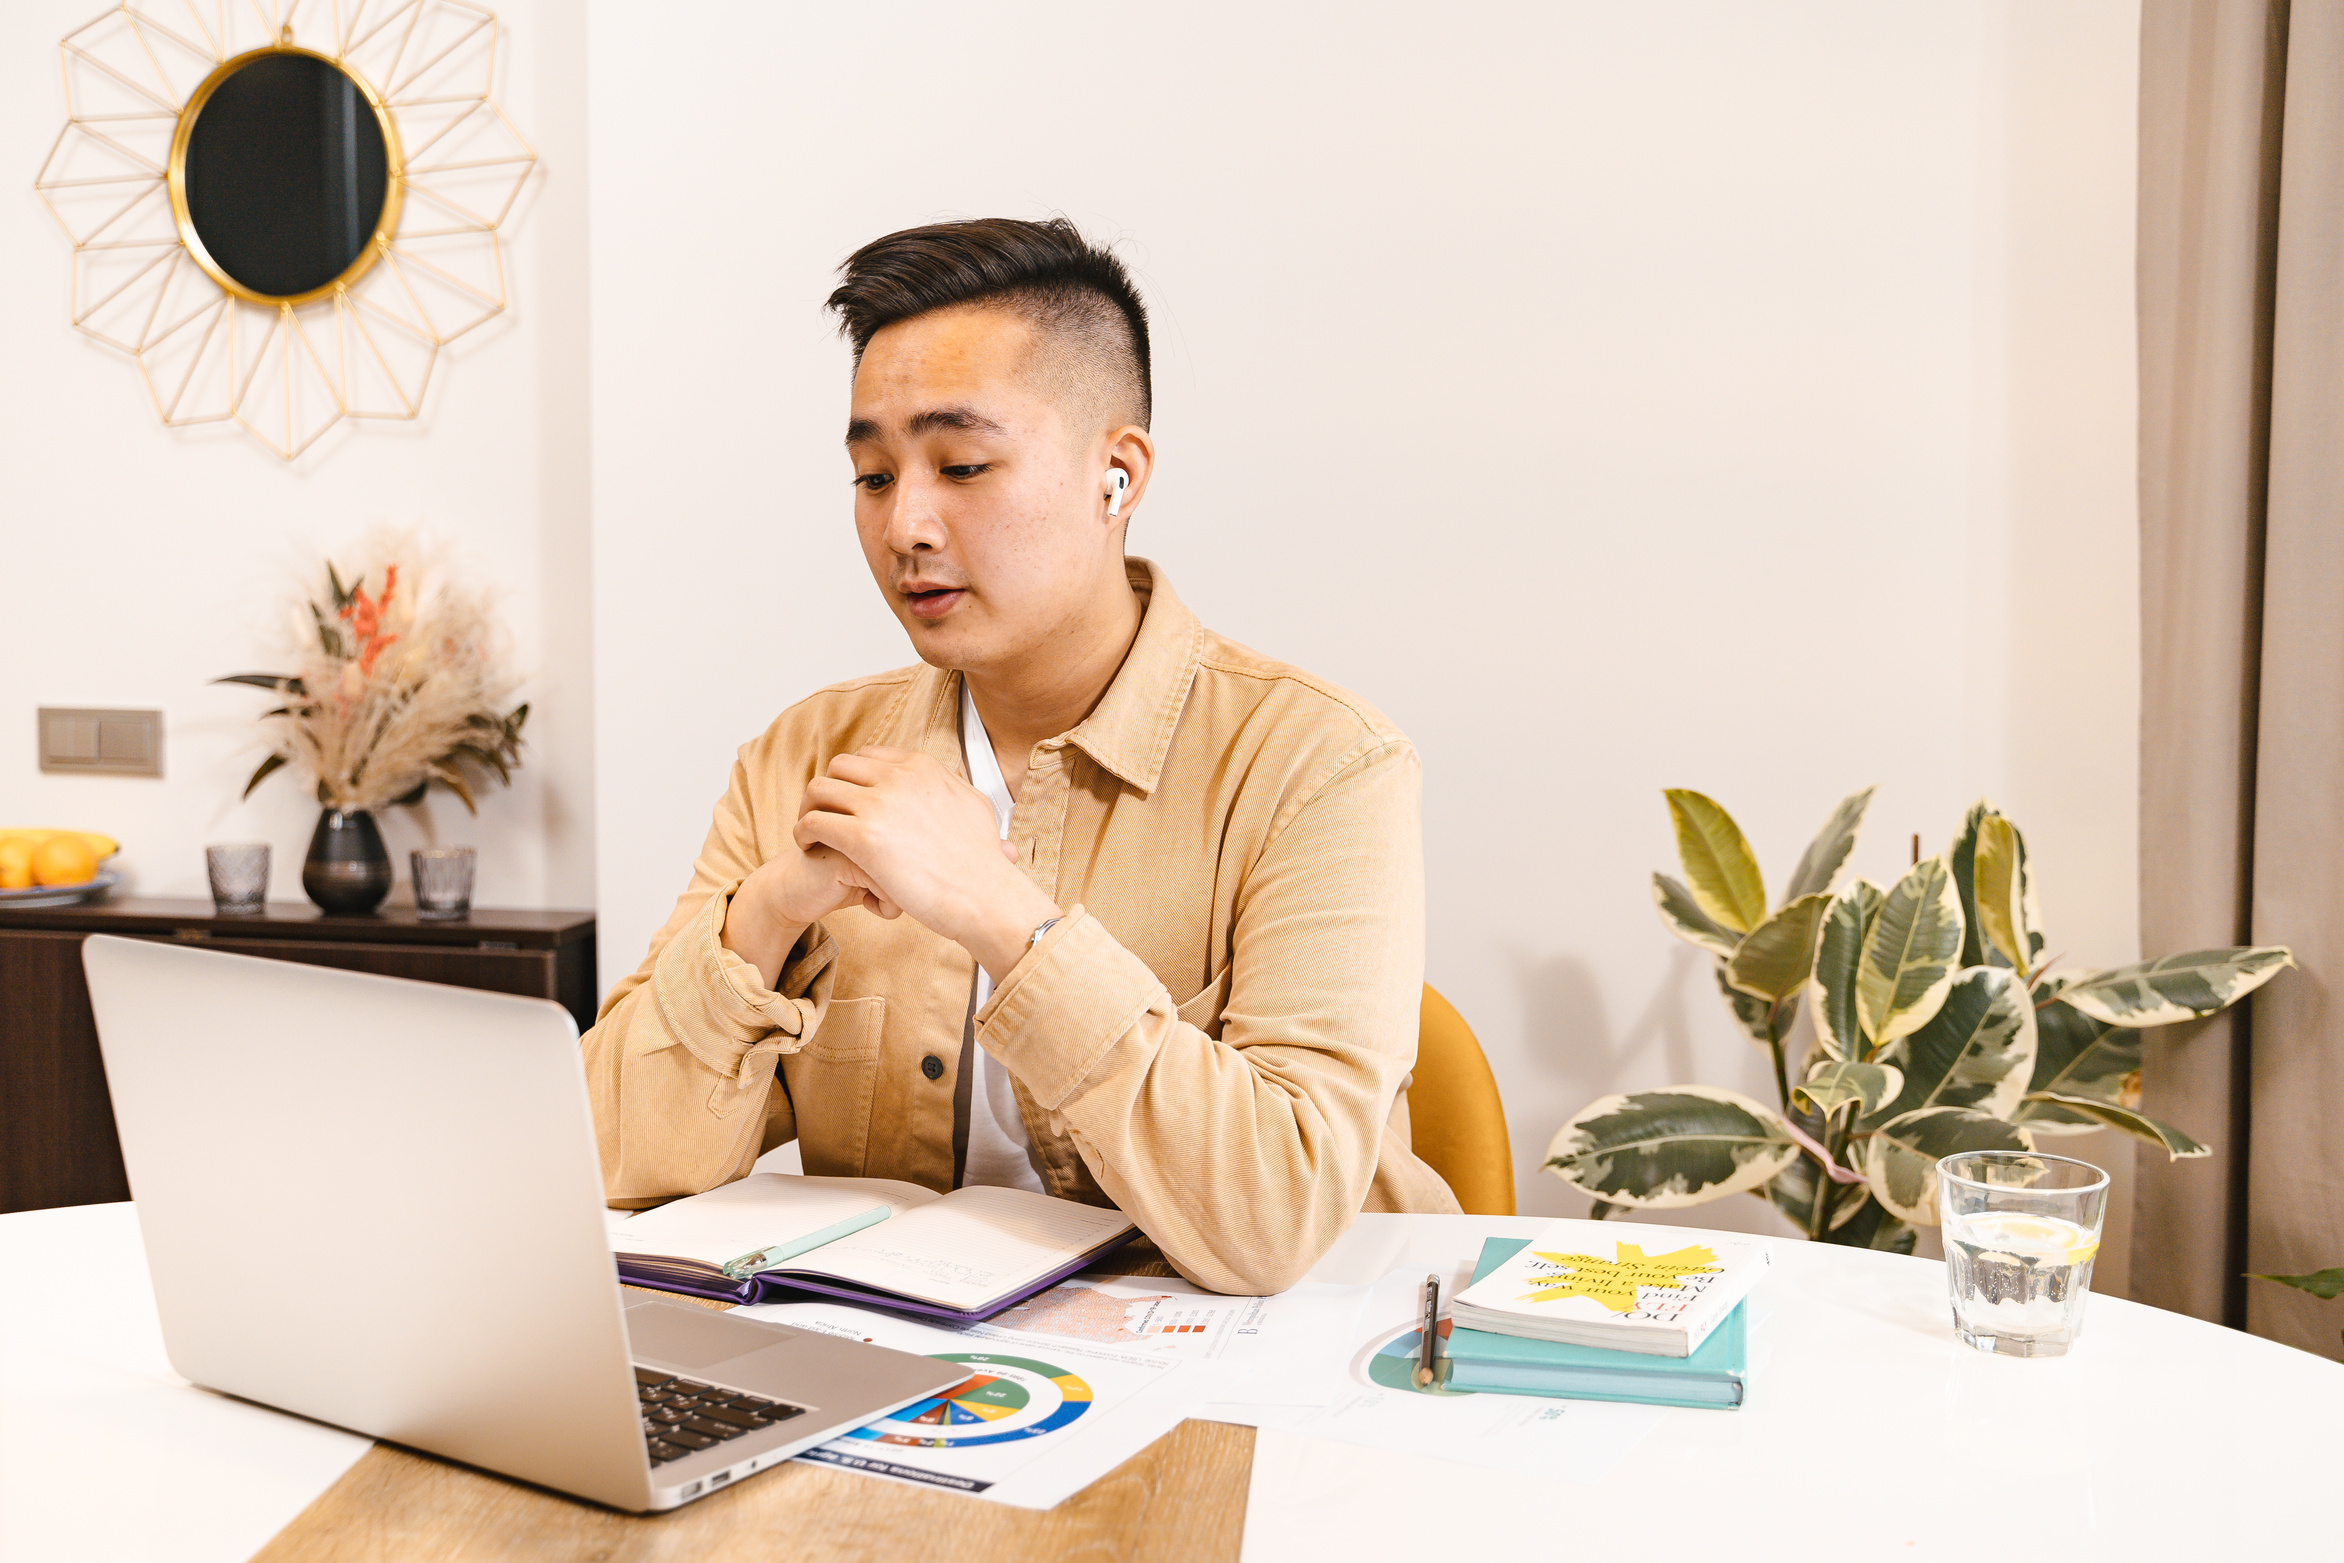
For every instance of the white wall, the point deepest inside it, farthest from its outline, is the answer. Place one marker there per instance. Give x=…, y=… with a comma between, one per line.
x=1728, y=396
x=1621, y=396
x=136, y=562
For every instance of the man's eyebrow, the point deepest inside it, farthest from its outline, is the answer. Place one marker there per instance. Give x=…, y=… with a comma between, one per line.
x=959, y=419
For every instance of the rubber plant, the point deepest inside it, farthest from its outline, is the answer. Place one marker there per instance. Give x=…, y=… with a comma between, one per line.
x=1935, y=1024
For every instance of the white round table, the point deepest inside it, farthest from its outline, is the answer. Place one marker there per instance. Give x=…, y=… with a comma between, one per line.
x=1870, y=1433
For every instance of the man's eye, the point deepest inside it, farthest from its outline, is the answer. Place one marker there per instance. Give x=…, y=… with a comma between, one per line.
x=872, y=482
x=968, y=470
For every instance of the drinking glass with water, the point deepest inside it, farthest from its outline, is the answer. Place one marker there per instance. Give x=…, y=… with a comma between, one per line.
x=2021, y=1230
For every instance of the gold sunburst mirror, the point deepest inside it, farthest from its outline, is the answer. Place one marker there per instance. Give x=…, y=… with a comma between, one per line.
x=284, y=209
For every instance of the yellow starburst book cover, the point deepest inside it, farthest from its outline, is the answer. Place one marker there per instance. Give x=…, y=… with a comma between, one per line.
x=1618, y=1286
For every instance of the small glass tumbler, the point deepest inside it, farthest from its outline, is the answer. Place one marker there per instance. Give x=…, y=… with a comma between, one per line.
x=240, y=877
x=443, y=882
x=2021, y=1230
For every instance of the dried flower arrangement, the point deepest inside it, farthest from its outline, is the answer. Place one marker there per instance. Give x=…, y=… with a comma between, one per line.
x=397, y=689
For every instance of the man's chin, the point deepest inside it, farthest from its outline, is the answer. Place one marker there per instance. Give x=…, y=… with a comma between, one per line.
x=944, y=646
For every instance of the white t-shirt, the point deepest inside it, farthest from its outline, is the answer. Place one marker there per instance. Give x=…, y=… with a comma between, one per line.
x=999, y=1152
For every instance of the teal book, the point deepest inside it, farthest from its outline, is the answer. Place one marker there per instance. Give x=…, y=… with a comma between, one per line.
x=1485, y=1362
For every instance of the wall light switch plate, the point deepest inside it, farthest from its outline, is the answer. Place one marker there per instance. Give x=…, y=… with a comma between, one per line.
x=101, y=743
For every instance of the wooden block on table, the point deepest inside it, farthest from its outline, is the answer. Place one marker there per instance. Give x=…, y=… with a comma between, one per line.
x=1180, y=1500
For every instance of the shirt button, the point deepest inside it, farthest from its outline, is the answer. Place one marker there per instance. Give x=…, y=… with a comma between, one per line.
x=932, y=1067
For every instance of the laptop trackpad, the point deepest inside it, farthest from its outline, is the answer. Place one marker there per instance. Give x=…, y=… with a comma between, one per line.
x=695, y=1337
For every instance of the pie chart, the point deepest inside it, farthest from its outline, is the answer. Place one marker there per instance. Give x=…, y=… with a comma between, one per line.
x=1003, y=1399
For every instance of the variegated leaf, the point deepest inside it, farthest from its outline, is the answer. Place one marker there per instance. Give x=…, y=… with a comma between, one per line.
x=1793, y=1192
x=2177, y=987
x=1961, y=856
x=1874, y=1228
x=2018, y=893
x=1831, y=1086
x=1755, y=1015
x=2078, y=1056
x=2047, y=1118
x=2030, y=906
x=1998, y=883
x=1720, y=868
x=1666, y=1149
x=1900, y=1161
x=1977, y=1051
x=1775, y=958
x=1908, y=960
x=1687, y=921
x=1820, y=864
x=2176, y=1145
x=1838, y=952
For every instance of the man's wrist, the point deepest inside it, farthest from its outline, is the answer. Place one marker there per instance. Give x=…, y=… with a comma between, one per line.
x=752, y=931
x=1007, y=931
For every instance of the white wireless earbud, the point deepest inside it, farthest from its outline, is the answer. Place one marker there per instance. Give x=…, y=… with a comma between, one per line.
x=1122, y=480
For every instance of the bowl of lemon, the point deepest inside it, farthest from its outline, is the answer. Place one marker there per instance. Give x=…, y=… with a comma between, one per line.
x=54, y=867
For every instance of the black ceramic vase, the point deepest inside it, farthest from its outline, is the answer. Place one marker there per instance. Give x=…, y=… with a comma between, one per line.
x=347, y=869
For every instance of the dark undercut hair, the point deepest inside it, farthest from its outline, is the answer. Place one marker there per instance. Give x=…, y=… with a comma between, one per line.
x=1047, y=272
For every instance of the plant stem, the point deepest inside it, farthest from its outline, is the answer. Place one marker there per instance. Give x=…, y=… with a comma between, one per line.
x=1825, y=1189
x=1782, y=1079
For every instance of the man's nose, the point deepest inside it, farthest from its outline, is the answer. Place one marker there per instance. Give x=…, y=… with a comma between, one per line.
x=914, y=524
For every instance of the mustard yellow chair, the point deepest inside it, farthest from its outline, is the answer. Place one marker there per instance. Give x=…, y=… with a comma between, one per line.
x=1455, y=1117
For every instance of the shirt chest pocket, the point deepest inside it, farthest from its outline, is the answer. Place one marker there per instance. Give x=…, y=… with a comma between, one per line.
x=831, y=1081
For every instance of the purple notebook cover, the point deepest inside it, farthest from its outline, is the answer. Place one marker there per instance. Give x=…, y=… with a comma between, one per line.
x=777, y=1286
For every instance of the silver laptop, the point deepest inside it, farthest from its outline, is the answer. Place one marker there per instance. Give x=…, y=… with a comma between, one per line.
x=376, y=1202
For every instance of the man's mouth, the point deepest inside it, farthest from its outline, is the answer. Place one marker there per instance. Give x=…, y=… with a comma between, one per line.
x=933, y=602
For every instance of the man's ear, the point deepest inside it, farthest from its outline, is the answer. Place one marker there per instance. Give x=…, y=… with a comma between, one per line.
x=1131, y=453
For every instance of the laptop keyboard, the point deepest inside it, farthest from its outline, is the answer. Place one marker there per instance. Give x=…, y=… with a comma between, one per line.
x=682, y=1416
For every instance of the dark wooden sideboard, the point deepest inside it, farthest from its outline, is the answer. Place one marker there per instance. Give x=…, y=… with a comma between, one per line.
x=57, y=1141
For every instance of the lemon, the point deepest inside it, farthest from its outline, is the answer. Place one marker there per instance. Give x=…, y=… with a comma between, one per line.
x=16, y=864
x=64, y=860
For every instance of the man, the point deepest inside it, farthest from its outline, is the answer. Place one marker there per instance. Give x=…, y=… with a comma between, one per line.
x=1092, y=901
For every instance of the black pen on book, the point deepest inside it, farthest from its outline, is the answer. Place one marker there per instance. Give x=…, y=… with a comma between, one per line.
x=1427, y=1367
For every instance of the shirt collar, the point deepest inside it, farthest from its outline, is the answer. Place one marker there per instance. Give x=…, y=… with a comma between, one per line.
x=1130, y=730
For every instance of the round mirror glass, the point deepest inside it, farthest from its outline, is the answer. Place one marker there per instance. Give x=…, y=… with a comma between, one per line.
x=284, y=171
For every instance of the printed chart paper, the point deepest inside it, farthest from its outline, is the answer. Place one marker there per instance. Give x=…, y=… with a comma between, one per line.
x=1071, y=1383
x=1033, y=1423
x=1360, y=1389
x=1174, y=1320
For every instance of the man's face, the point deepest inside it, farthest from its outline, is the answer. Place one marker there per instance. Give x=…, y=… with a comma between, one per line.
x=976, y=502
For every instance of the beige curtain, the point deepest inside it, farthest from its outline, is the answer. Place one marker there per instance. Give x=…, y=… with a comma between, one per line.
x=2242, y=598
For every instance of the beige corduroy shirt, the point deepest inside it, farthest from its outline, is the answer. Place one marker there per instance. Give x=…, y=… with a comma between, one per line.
x=1215, y=1038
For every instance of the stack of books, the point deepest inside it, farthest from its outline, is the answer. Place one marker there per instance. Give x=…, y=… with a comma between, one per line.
x=1607, y=1310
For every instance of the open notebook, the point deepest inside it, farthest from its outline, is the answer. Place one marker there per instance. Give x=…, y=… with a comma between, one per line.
x=963, y=1255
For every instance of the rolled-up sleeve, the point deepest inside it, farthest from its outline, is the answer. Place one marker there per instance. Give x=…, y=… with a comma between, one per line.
x=1246, y=1154
x=680, y=1062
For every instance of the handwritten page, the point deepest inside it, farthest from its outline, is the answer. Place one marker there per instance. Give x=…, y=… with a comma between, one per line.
x=762, y=1210
x=967, y=1249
